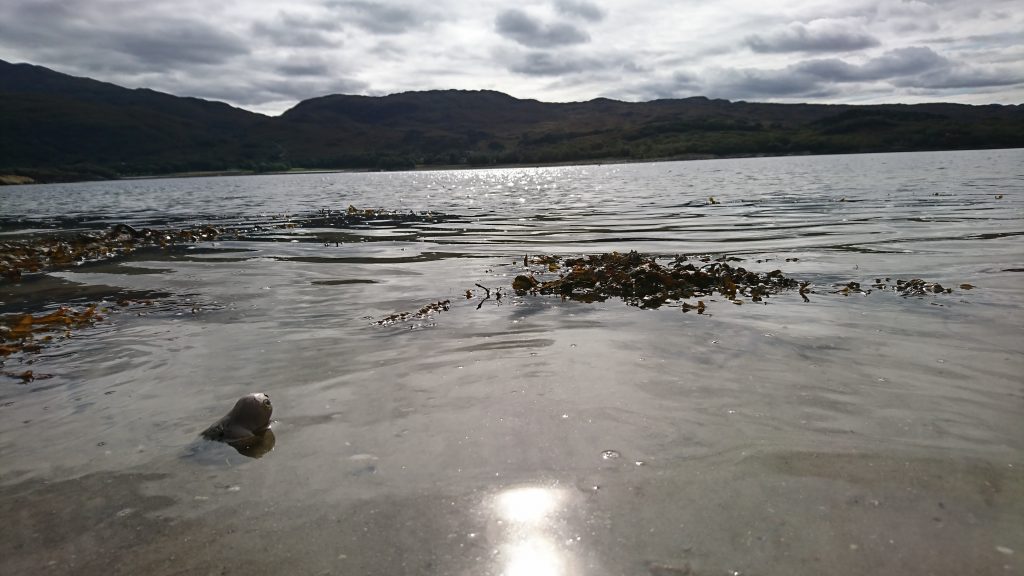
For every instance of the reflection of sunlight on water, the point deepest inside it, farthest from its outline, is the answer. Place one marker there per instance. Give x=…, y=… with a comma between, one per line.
x=527, y=505
x=530, y=516
x=534, y=557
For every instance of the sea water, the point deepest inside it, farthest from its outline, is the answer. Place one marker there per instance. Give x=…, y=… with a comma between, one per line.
x=856, y=432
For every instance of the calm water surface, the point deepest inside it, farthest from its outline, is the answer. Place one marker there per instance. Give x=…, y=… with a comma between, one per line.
x=528, y=435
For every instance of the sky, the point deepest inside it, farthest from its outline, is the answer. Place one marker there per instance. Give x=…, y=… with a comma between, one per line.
x=268, y=55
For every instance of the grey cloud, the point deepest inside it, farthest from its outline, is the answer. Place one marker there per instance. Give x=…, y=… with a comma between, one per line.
x=297, y=31
x=917, y=26
x=816, y=37
x=914, y=67
x=180, y=42
x=903, y=62
x=287, y=88
x=679, y=85
x=545, y=64
x=635, y=67
x=269, y=89
x=580, y=8
x=134, y=43
x=832, y=69
x=528, y=31
x=383, y=18
x=756, y=83
x=176, y=54
x=307, y=69
x=388, y=50
x=964, y=77
x=580, y=67
x=997, y=39
x=44, y=10
x=899, y=63
x=919, y=16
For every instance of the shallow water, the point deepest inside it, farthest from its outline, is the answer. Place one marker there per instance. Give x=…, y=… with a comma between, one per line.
x=529, y=435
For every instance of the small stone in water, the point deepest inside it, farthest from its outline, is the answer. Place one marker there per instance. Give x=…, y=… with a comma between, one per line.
x=610, y=455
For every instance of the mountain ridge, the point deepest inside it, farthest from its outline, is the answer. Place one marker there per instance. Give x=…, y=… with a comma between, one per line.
x=55, y=126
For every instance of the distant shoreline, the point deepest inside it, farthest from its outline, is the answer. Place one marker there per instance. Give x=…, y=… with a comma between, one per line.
x=61, y=128
x=19, y=180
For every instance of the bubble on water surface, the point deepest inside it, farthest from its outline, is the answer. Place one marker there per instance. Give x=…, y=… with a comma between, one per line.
x=610, y=455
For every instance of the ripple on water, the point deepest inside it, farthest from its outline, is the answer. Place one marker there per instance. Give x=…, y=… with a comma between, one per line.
x=885, y=377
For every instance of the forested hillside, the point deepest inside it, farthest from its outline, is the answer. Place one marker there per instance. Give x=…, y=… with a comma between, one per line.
x=54, y=126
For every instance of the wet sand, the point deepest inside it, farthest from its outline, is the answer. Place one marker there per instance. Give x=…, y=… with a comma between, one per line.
x=776, y=512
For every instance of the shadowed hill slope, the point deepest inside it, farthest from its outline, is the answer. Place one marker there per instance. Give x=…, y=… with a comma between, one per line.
x=53, y=125
x=53, y=121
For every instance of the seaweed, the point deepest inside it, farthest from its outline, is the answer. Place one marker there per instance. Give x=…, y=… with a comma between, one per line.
x=905, y=288
x=22, y=335
x=59, y=251
x=640, y=280
x=18, y=332
x=645, y=282
x=422, y=313
x=27, y=376
x=369, y=216
x=39, y=254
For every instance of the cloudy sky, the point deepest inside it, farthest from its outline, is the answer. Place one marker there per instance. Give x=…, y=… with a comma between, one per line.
x=267, y=55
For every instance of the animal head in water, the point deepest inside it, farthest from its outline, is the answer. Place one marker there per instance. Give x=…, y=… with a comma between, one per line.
x=249, y=417
x=252, y=412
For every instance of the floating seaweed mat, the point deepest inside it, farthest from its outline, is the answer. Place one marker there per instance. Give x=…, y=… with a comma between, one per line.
x=905, y=288
x=355, y=215
x=37, y=254
x=27, y=376
x=643, y=281
x=18, y=257
x=640, y=280
x=422, y=313
x=30, y=333
x=18, y=333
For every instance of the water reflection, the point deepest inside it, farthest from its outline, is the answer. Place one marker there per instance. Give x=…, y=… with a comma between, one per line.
x=530, y=519
x=255, y=446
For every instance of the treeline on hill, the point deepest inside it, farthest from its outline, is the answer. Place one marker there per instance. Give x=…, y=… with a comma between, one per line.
x=55, y=127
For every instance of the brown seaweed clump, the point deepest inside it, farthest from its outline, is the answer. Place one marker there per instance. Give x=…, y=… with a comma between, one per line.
x=44, y=253
x=353, y=216
x=905, y=288
x=26, y=332
x=422, y=313
x=641, y=281
x=29, y=333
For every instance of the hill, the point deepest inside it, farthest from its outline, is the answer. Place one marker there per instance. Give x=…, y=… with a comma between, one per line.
x=54, y=126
